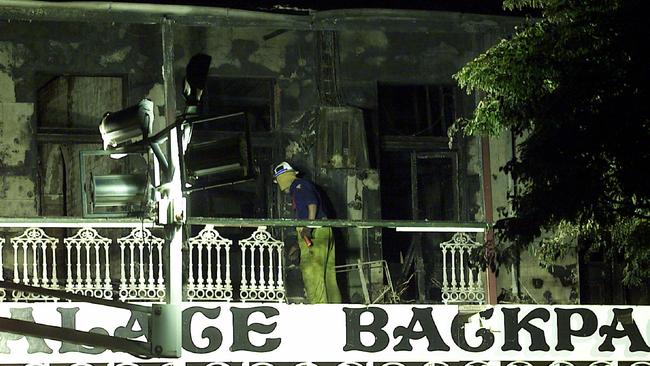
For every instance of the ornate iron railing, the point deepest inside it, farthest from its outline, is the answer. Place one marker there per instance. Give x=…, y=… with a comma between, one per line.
x=130, y=267
x=460, y=282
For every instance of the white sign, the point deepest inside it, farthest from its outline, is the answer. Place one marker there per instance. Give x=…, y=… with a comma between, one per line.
x=335, y=333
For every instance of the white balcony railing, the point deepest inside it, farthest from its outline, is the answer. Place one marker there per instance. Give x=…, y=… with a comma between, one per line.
x=216, y=284
x=460, y=282
x=130, y=267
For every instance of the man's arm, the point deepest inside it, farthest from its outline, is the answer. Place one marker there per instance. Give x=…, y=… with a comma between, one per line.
x=312, y=211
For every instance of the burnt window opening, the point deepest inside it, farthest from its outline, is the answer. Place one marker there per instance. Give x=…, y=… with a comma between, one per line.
x=251, y=101
x=419, y=177
x=415, y=110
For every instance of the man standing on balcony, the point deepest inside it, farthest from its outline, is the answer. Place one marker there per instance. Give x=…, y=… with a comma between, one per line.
x=316, y=245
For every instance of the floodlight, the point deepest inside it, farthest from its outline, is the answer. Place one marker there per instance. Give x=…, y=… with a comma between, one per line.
x=218, y=162
x=128, y=125
x=119, y=190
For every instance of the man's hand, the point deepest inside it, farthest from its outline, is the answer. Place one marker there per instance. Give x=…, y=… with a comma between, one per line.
x=306, y=234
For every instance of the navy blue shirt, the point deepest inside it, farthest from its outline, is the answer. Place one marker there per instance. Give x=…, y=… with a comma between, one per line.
x=303, y=194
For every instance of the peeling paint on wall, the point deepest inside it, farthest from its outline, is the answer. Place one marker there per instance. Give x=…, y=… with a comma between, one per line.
x=115, y=57
x=18, y=197
x=293, y=149
x=239, y=46
x=7, y=86
x=15, y=136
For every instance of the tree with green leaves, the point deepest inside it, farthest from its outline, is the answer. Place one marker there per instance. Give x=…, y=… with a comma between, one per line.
x=572, y=85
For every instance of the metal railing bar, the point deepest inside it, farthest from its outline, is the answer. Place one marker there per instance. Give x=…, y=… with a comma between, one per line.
x=400, y=225
x=74, y=222
x=442, y=226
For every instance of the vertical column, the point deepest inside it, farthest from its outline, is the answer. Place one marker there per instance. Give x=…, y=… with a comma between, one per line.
x=78, y=277
x=228, y=281
x=199, y=268
x=55, y=279
x=88, y=283
x=45, y=280
x=16, y=278
x=122, y=267
x=68, y=283
x=218, y=265
x=173, y=250
x=190, y=268
x=98, y=276
x=35, y=280
x=107, y=273
x=151, y=283
x=279, y=250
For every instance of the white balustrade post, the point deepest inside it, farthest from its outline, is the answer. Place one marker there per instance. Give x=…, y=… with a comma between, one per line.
x=271, y=283
x=16, y=278
x=122, y=266
x=253, y=283
x=199, y=262
x=262, y=283
x=453, y=269
x=244, y=282
x=1, y=261
x=88, y=283
x=44, y=278
x=35, y=281
x=107, y=272
x=141, y=264
x=161, y=278
x=219, y=269
x=228, y=280
x=209, y=280
x=25, y=268
x=78, y=285
x=68, y=282
x=279, y=250
x=55, y=279
x=98, y=276
x=151, y=283
x=462, y=266
x=131, y=265
x=190, y=267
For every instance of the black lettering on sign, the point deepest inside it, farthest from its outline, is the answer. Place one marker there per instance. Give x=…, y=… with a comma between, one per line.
x=36, y=345
x=565, y=332
x=213, y=334
x=128, y=332
x=458, y=333
x=423, y=317
x=512, y=327
x=353, y=329
x=69, y=320
x=630, y=330
x=241, y=328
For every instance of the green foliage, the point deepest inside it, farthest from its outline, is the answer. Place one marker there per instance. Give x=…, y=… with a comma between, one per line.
x=573, y=87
